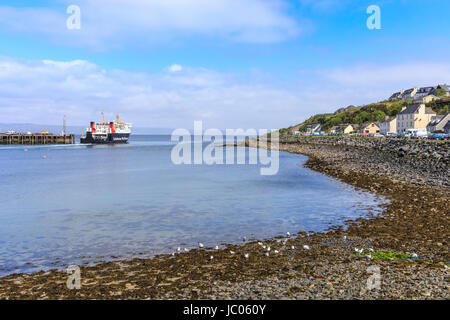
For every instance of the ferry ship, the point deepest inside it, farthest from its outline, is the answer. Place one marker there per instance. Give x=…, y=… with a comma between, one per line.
x=103, y=132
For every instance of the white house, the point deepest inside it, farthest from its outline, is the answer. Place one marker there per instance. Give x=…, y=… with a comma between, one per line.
x=388, y=125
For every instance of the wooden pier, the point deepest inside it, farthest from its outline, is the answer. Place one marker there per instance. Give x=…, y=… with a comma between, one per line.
x=36, y=138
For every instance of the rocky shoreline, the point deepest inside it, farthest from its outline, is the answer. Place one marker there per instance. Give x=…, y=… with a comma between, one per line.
x=405, y=248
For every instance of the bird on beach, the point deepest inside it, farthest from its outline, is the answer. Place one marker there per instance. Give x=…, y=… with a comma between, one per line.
x=200, y=245
x=179, y=249
x=217, y=248
x=211, y=257
x=267, y=254
x=268, y=249
x=276, y=251
x=288, y=234
x=344, y=237
x=292, y=247
x=186, y=249
x=263, y=246
x=260, y=243
x=246, y=256
x=413, y=255
x=358, y=250
x=306, y=247
x=244, y=239
x=232, y=252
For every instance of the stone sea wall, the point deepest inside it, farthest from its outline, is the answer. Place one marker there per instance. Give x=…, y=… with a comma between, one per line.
x=419, y=161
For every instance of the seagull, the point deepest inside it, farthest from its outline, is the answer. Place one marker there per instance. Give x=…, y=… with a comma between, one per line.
x=186, y=249
x=267, y=254
x=232, y=252
x=244, y=239
x=344, y=237
x=275, y=251
x=288, y=234
x=246, y=256
x=211, y=257
x=263, y=247
x=217, y=247
x=306, y=247
x=268, y=249
x=173, y=253
x=200, y=245
x=292, y=247
x=179, y=249
x=370, y=249
x=413, y=255
x=260, y=243
x=358, y=250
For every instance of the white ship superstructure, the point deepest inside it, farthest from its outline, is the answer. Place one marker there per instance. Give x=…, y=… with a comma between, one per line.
x=104, y=132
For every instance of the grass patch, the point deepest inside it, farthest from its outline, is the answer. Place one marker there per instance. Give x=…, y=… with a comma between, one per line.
x=379, y=255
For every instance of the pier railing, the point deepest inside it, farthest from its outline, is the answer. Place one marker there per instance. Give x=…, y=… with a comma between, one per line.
x=36, y=138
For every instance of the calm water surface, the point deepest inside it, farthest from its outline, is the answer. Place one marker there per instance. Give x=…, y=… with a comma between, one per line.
x=83, y=204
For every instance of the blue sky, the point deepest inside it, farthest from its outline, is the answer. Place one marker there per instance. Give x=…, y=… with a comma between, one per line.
x=247, y=63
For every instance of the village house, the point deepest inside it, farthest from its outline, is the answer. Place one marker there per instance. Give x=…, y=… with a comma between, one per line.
x=425, y=99
x=388, y=125
x=397, y=95
x=312, y=128
x=416, y=116
x=343, y=129
x=370, y=128
x=409, y=94
x=438, y=123
x=421, y=95
x=295, y=130
x=424, y=91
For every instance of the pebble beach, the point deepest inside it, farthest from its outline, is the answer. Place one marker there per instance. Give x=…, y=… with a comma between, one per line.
x=401, y=253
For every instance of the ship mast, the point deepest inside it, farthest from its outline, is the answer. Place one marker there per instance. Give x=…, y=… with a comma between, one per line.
x=103, y=117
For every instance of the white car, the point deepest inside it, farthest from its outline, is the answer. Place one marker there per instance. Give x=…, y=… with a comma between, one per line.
x=378, y=135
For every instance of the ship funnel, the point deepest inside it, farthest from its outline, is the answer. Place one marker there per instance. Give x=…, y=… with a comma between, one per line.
x=111, y=127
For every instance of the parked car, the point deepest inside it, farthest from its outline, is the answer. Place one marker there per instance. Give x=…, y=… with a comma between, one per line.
x=438, y=136
x=377, y=135
x=391, y=134
x=416, y=133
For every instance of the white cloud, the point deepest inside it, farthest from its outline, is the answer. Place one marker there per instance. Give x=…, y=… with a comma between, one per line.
x=175, y=68
x=111, y=23
x=43, y=91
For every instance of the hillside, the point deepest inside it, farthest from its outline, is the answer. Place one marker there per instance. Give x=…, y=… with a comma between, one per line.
x=359, y=115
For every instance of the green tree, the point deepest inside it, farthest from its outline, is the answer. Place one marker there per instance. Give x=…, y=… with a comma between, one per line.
x=440, y=92
x=336, y=121
x=362, y=117
x=394, y=110
x=378, y=115
x=444, y=109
